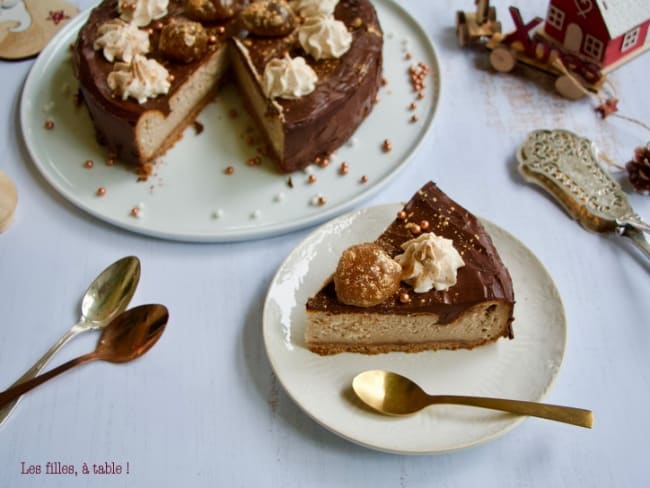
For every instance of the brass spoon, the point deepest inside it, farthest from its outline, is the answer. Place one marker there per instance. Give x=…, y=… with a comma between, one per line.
x=127, y=337
x=393, y=394
x=107, y=296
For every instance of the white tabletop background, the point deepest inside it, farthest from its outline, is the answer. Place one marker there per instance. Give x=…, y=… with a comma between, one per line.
x=204, y=408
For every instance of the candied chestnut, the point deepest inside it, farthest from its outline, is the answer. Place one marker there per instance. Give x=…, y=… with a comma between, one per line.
x=366, y=276
x=211, y=10
x=183, y=41
x=268, y=18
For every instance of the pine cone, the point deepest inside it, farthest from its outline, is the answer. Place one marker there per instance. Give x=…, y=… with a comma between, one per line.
x=638, y=169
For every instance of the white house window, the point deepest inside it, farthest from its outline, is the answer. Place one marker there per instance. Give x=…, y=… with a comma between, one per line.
x=630, y=39
x=593, y=47
x=555, y=17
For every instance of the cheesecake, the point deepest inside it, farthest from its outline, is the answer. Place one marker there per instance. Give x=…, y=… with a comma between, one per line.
x=432, y=280
x=308, y=71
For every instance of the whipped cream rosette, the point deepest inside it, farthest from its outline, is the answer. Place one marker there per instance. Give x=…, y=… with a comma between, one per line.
x=429, y=262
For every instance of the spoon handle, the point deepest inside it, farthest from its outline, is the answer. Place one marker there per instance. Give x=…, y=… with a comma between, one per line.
x=569, y=415
x=37, y=367
x=15, y=392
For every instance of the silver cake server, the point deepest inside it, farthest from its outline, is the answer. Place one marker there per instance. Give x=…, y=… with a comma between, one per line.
x=566, y=165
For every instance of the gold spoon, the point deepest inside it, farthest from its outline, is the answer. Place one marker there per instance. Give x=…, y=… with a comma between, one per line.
x=127, y=337
x=393, y=394
x=107, y=296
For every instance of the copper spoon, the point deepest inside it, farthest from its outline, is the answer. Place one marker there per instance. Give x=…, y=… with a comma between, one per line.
x=392, y=394
x=127, y=337
x=107, y=296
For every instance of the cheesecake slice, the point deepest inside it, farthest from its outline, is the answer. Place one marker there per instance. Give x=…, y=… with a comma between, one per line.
x=473, y=308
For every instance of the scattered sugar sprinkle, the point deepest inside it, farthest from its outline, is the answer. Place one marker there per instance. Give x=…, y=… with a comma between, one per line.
x=136, y=211
x=318, y=200
x=217, y=214
x=48, y=106
x=352, y=142
x=256, y=214
x=279, y=197
x=324, y=163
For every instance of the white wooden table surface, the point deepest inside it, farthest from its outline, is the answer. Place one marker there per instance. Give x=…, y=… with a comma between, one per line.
x=204, y=407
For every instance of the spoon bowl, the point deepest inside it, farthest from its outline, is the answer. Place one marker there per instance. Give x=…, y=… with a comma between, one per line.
x=127, y=337
x=107, y=296
x=132, y=333
x=110, y=293
x=392, y=394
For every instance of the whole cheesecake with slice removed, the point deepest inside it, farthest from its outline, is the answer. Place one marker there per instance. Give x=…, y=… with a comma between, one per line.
x=183, y=53
x=475, y=309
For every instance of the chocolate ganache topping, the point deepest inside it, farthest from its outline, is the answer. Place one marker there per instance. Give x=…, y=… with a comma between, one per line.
x=484, y=276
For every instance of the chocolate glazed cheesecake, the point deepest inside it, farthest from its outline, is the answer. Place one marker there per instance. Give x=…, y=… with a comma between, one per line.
x=299, y=127
x=476, y=309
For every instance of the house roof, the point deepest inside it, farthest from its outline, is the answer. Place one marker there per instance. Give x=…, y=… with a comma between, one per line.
x=622, y=15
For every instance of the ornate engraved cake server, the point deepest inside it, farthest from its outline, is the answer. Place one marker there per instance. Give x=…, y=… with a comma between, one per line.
x=566, y=165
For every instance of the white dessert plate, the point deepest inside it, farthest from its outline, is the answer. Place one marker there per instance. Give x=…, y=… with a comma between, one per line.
x=523, y=368
x=190, y=197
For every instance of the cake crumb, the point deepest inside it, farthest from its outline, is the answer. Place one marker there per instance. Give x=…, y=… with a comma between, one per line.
x=88, y=164
x=49, y=124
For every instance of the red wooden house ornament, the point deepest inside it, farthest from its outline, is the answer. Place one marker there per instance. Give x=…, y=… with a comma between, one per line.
x=606, y=32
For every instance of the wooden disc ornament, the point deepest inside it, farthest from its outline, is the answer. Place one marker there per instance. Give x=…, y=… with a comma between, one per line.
x=26, y=26
x=8, y=200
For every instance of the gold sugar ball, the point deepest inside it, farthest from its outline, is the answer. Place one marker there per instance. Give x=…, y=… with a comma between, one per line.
x=183, y=41
x=366, y=276
x=211, y=10
x=268, y=18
